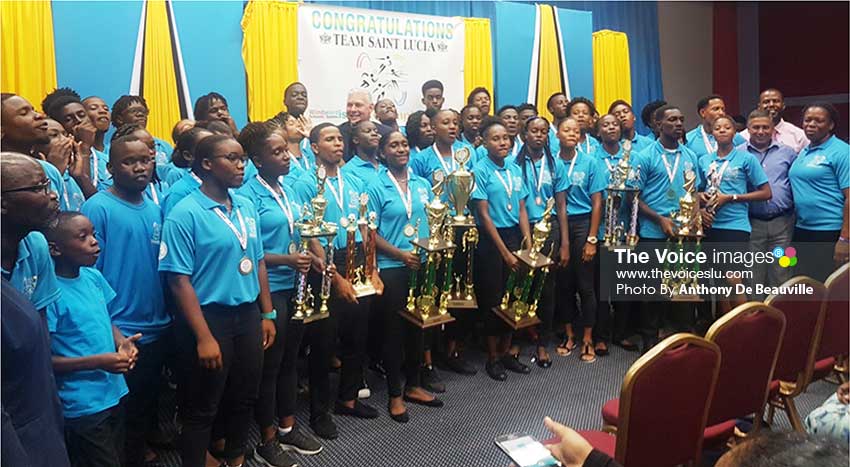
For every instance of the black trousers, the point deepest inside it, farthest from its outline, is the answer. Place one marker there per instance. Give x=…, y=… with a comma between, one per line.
x=402, y=341
x=142, y=403
x=815, y=250
x=279, y=381
x=465, y=319
x=491, y=277
x=320, y=336
x=206, y=393
x=577, y=278
x=96, y=440
x=351, y=322
x=678, y=316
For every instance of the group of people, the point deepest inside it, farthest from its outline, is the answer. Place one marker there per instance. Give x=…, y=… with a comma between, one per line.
x=145, y=260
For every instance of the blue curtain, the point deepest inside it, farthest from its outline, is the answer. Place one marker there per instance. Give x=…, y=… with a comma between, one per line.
x=639, y=20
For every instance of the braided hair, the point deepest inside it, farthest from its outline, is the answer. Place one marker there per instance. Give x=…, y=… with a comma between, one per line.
x=253, y=137
x=524, y=152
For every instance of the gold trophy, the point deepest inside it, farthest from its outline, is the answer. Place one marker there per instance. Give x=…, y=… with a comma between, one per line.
x=622, y=189
x=314, y=226
x=687, y=237
x=427, y=299
x=460, y=184
x=360, y=275
x=523, y=290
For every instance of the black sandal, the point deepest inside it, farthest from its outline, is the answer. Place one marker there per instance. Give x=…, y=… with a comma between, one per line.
x=564, y=349
x=587, y=353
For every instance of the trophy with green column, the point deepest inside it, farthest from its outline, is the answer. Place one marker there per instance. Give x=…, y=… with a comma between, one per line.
x=524, y=288
x=460, y=184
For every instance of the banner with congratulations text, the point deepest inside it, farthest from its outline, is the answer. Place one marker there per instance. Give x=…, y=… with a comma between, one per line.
x=388, y=54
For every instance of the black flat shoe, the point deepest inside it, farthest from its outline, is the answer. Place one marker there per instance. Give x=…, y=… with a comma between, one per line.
x=434, y=403
x=400, y=418
x=496, y=370
x=512, y=363
x=460, y=366
x=360, y=410
x=542, y=363
x=603, y=351
x=626, y=345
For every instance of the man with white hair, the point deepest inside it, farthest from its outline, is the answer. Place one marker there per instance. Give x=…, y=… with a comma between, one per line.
x=358, y=107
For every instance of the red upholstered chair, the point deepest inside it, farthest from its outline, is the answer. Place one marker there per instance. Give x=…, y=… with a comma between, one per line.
x=835, y=340
x=664, y=405
x=804, y=317
x=748, y=337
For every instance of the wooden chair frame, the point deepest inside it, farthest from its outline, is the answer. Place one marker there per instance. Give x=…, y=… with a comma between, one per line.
x=841, y=369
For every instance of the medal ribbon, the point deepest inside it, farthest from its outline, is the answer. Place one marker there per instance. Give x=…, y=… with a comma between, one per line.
x=408, y=200
x=445, y=166
x=243, y=236
x=671, y=174
x=509, y=185
x=284, y=206
x=337, y=195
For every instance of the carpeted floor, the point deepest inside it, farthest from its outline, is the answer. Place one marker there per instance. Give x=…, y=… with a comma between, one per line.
x=477, y=409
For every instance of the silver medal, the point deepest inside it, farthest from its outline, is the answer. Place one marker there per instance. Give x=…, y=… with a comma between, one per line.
x=409, y=231
x=293, y=249
x=245, y=266
x=539, y=201
x=510, y=207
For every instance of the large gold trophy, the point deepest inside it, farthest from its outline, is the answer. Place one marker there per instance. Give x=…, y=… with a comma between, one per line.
x=688, y=235
x=314, y=227
x=360, y=275
x=428, y=296
x=460, y=184
x=524, y=288
x=622, y=190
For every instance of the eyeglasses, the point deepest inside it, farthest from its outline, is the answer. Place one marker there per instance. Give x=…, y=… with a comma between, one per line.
x=138, y=112
x=233, y=158
x=43, y=187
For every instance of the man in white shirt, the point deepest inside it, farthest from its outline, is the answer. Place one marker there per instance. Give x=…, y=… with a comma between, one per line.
x=772, y=101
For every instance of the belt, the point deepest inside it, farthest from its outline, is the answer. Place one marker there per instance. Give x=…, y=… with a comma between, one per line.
x=787, y=212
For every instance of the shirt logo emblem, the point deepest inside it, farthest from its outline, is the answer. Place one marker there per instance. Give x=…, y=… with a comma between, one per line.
x=252, y=227
x=578, y=178
x=156, y=232
x=30, y=283
x=163, y=251
x=816, y=160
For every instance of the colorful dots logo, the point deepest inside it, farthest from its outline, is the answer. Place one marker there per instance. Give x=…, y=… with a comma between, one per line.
x=787, y=257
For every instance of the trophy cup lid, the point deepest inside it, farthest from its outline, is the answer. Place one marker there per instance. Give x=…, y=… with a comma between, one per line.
x=461, y=156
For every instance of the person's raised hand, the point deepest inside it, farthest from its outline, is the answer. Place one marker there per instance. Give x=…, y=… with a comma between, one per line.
x=573, y=449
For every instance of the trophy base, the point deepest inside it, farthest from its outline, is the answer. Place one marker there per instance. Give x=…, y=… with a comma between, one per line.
x=618, y=246
x=538, y=261
x=432, y=320
x=316, y=316
x=509, y=317
x=457, y=300
x=434, y=247
x=364, y=290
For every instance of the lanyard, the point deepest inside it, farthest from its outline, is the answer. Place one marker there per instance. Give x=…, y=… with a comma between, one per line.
x=305, y=166
x=443, y=163
x=709, y=147
x=540, y=175
x=406, y=200
x=65, y=195
x=95, y=178
x=572, y=166
x=285, y=207
x=195, y=177
x=671, y=174
x=243, y=236
x=517, y=143
x=509, y=185
x=337, y=195
x=586, y=142
x=154, y=196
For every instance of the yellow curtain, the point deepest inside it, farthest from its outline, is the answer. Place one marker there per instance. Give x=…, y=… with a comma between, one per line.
x=28, y=58
x=160, y=79
x=612, y=78
x=477, y=55
x=549, y=80
x=270, y=53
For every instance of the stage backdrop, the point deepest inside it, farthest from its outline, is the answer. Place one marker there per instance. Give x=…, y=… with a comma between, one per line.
x=388, y=54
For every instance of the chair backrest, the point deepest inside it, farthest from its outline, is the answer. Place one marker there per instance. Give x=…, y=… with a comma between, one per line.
x=835, y=339
x=749, y=338
x=802, y=304
x=664, y=403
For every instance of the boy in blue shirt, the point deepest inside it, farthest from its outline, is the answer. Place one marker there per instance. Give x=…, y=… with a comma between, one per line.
x=364, y=165
x=89, y=353
x=128, y=226
x=700, y=140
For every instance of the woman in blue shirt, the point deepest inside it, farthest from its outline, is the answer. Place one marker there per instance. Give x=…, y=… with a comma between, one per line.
x=440, y=156
x=587, y=181
x=545, y=178
x=302, y=158
x=729, y=172
x=279, y=212
x=420, y=133
x=820, y=179
x=583, y=110
x=399, y=197
x=499, y=198
x=212, y=254
x=365, y=164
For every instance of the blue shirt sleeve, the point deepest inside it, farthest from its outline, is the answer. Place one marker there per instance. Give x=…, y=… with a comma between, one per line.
x=561, y=181
x=480, y=191
x=177, y=249
x=47, y=289
x=841, y=167
x=598, y=181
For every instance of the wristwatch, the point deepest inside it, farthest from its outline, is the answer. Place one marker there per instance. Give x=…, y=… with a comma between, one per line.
x=592, y=239
x=735, y=198
x=270, y=315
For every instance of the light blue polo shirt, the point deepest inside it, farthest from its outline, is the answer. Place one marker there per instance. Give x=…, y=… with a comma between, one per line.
x=197, y=243
x=386, y=202
x=98, y=171
x=129, y=237
x=79, y=326
x=607, y=162
x=305, y=190
x=743, y=171
x=250, y=171
x=656, y=190
x=274, y=228
x=163, y=157
x=175, y=173
x=587, y=178
x=155, y=192
x=426, y=161
x=697, y=145
x=299, y=166
x=489, y=188
x=552, y=180
x=639, y=142
x=56, y=180
x=588, y=146
x=178, y=191
x=33, y=274
x=818, y=176
x=362, y=169
x=71, y=196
